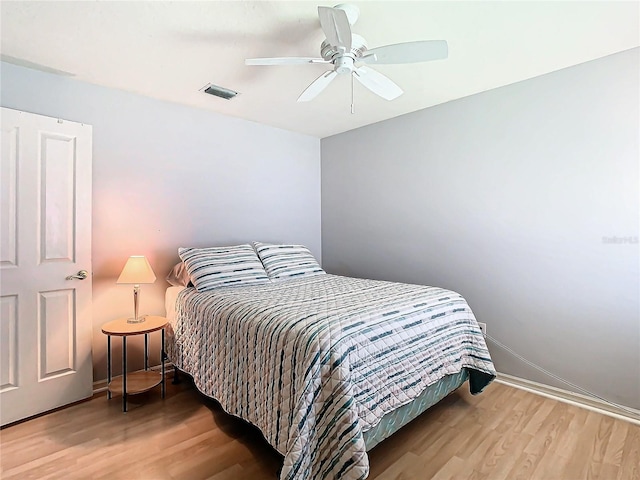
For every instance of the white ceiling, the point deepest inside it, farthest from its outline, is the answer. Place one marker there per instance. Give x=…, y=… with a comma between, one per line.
x=170, y=50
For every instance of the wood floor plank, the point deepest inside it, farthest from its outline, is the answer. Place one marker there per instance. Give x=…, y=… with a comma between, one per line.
x=502, y=434
x=615, y=447
x=507, y=463
x=455, y=467
x=579, y=447
x=546, y=437
x=485, y=453
x=630, y=465
x=485, y=465
x=540, y=414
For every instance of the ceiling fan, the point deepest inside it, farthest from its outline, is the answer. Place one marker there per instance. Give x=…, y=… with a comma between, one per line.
x=346, y=51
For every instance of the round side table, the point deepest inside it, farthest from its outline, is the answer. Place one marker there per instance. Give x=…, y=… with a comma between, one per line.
x=137, y=382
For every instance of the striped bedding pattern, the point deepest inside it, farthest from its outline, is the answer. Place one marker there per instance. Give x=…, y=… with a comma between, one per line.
x=283, y=262
x=216, y=267
x=315, y=362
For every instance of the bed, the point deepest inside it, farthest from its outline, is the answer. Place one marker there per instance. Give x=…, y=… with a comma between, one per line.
x=325, y=366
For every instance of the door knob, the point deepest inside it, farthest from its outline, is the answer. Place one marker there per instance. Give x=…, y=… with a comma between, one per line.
x=81, y=275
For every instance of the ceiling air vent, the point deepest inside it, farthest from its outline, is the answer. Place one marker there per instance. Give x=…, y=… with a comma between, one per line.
x=217, y=91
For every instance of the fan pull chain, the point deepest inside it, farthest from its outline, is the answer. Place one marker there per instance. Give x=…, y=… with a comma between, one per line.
x=353, y=110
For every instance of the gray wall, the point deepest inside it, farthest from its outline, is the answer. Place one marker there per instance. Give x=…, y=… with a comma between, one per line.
x=165, y=176
x=507, y=197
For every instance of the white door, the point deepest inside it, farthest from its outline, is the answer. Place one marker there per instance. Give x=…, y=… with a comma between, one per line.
x=45, y=236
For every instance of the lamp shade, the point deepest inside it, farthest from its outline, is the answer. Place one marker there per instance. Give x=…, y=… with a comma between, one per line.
x=137, y=270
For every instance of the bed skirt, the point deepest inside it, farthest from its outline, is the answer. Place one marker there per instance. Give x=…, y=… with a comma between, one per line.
x=393, y=421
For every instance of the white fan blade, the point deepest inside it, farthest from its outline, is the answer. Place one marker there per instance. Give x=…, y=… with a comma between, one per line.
x=377, y=83
x=335, y=26
x=318, y=85
x=283, y=61
x=410, y=52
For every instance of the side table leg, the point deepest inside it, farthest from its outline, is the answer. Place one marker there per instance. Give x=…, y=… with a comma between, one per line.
x=124, y=373
x=146, y=351
x=108, y=366
x=162, y=356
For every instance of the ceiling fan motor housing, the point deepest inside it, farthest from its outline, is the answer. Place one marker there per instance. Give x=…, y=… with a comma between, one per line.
x=358, y=48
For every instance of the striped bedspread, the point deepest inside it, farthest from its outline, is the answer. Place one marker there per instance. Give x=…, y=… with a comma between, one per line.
x=315, y=362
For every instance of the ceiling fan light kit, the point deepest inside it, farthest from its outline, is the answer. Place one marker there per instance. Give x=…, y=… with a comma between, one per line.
x=347, y=51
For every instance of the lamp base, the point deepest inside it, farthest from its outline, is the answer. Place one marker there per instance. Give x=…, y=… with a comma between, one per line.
x=140, y=319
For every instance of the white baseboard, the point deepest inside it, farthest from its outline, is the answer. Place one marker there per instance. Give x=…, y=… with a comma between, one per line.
x=100, y=386
x=577, y=399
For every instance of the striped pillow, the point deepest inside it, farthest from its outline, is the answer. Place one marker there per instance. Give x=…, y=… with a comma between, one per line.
x=287, y=261
x=215, y=267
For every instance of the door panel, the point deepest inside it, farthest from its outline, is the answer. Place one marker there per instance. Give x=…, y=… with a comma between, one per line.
x=8, y=354
x=8, y=197
x=56, y=320
x=46, y=324
x=57, y=187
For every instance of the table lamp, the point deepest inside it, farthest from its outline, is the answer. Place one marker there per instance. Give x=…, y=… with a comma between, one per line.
x=136, y=271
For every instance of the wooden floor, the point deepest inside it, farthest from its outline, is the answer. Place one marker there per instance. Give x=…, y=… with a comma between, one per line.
x=503, y=433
